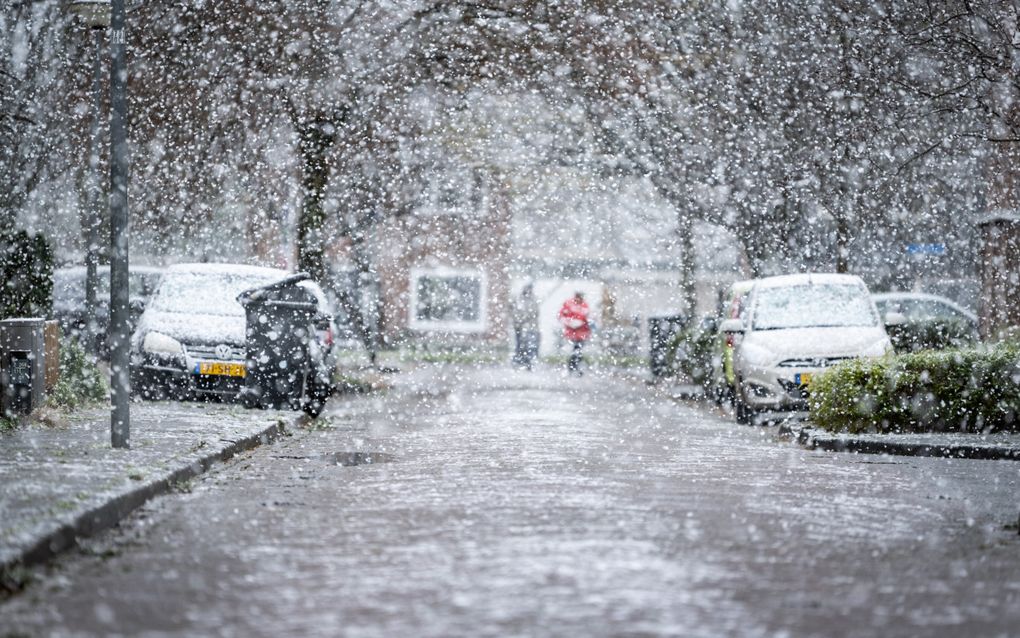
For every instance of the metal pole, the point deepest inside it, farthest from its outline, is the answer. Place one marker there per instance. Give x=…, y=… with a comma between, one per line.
x=120, y=416
x=95, y=203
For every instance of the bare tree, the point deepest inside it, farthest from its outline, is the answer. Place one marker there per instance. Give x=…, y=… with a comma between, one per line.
x=37, y=67
x=967, y=63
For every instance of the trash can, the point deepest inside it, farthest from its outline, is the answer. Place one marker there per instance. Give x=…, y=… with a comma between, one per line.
x=661, y=331
x=280, y=321
x=22, y=365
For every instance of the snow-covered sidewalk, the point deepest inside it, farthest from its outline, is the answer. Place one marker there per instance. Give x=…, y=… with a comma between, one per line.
x=63, y=482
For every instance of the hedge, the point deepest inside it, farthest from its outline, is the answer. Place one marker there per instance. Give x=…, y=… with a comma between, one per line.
x=81, y=382
x=26, y=275
x=974, y=389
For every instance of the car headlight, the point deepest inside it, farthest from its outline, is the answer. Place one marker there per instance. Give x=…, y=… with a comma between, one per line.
x=756, y=355
x=159, y=343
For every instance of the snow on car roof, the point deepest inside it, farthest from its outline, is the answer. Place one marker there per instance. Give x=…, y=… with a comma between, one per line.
x=227, y=269
x=802, y=279
x=104, y=269
x=912, y=295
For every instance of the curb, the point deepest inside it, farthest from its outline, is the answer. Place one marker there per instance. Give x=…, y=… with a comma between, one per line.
x=108, y=514
x=831, y=443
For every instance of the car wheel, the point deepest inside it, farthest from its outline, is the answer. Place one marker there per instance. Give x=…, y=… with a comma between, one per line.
x=744, y=413
x=152, y=387
x=315, y=398
x=723, y=394
x=149, y=391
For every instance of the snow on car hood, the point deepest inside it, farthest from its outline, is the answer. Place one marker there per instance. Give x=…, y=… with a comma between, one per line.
x=193, y=328
x=819, y=342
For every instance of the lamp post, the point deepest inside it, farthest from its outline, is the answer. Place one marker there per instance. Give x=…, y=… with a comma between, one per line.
x=98, y=14
x=119, y=333
x=95, y=14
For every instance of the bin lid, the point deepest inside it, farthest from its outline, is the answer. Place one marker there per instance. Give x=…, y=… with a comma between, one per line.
x=256, y=295
x=293, y=305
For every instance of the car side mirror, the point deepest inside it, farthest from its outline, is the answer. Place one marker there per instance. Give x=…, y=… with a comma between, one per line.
x=731, y=326
x=895, y=319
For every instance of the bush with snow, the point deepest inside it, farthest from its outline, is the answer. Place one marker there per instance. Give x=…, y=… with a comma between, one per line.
x=974, y=389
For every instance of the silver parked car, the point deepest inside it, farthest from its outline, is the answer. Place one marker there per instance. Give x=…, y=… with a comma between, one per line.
x=917, y=306
x=795, y=326
x=69, y=299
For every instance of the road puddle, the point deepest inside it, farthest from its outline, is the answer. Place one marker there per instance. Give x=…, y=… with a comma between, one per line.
x=350, y=459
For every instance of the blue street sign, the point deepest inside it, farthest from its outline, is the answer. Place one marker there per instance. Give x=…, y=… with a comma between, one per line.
x=926, y=249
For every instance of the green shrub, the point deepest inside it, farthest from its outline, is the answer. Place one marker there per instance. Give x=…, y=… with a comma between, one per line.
x=960, y=390
x=81, y=382
x=26, y=274
x=690, y=353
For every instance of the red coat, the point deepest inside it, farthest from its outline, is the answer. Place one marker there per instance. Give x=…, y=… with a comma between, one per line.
x=574, y=317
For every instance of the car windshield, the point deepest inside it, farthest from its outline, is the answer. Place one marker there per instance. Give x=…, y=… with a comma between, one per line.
x=813, y=306
x=207, y=293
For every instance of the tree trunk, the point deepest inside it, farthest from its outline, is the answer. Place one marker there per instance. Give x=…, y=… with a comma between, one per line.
x=752, y=258
x=8, y=217
x=842, y=244
x=1000, y=245
x=371, y=326
x=685, y=235
x=350, y=301
x=688, y=285
x=316, y=138
x=315, y=141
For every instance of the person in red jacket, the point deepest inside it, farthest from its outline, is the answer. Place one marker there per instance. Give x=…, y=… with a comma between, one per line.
x=576, y=328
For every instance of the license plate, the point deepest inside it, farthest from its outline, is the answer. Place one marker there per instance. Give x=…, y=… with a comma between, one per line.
x=221, y=369
x=803, y=379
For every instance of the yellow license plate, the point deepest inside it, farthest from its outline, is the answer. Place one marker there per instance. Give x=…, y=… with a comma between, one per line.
x=803, y=379
x=222, y=369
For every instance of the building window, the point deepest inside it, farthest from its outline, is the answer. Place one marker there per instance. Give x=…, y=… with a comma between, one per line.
x=448, y=300
x=454, y=191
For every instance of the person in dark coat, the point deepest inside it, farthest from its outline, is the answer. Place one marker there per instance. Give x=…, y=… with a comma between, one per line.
x=524, y=314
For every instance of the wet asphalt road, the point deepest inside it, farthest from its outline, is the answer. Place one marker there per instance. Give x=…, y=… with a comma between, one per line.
x=503, y=503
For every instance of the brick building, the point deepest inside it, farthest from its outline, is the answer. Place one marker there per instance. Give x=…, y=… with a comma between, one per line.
x=443, y=268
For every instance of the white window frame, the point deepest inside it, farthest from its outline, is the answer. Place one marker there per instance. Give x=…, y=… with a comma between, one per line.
x=429, y=325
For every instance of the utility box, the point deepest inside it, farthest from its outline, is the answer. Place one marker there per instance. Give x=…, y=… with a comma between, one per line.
x=22, y=365
x=51, y=339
